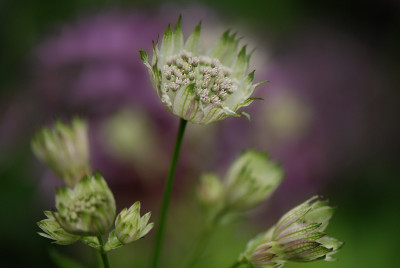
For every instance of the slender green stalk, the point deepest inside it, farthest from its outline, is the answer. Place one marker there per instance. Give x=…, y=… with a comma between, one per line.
x=201, y=244
x=103, y=254
x=167, y=195
x=205, y=237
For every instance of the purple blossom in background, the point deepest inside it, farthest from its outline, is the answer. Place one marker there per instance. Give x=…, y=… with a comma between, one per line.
x=92, y=65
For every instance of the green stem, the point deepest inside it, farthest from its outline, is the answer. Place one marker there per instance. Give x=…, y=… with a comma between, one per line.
x=167, y=195
x=201, y=245
x=205, y=237
x=103, y=254
x=237, y=264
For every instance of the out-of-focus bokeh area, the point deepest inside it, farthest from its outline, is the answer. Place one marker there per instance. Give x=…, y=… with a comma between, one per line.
x=330, y=116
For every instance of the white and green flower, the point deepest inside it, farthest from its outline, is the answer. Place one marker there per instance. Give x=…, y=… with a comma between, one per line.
x=251, y=179
x=130, y=226
x=298, y=236
x=201, y=87
x=86, y=210
x=210, y=190
x=65, y=149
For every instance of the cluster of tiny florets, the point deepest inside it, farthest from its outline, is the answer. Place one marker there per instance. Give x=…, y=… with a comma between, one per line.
x=85, y=204
x=211, y=80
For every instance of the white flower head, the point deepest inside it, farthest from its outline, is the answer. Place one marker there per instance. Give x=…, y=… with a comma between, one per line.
x=201, y=87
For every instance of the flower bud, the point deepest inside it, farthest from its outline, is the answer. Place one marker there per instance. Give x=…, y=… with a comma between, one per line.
x=251, y=179
x=206, y=86
x=129, y=226
x=54, y=231
x=210, y=190
x=88, y=209
x=298, y=236
x=64, y=149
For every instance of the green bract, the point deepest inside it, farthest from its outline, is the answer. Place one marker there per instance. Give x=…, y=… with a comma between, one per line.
x=298, y=236
x=88, y=209
x=54, y=231
x=251, y=179
x=129, y=226
x=201, y=87
x=64, y=149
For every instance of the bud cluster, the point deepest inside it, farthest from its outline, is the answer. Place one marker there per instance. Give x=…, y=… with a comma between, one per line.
x=130, y=226
x=298, y=236
x=65, y=149
x=88, y=209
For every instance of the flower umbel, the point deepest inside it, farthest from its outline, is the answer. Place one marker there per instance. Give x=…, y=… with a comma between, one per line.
x=298, y=236
x=65, y=149
x=54, y=231
x=86, y=210
x=129, y=226
x=201, y=87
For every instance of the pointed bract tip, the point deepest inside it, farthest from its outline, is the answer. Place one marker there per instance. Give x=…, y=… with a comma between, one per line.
x=143, y=55
x=198, y=27
x=243, y=51
x=178, y=24
x=245, y=115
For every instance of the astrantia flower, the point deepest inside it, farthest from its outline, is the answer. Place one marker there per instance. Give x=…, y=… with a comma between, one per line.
x=86, y=210
x=298, y=236
x=130, y=226
x=250, y=180
x=201, y=87
x=65, y=149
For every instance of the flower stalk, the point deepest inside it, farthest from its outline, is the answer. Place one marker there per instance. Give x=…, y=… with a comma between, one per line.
x=167, y=195
x=103, y=253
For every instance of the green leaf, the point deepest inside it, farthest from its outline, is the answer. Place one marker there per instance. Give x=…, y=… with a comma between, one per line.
x=245, y=115
x=241, y=64
x=143, y=56
x=250, y=77
x=193, y=42
x=167, y=44
x=178, y=37
x=63, y=261
x=218, y=50
x=112, y=242
x=260, y=83
x=229, y=54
